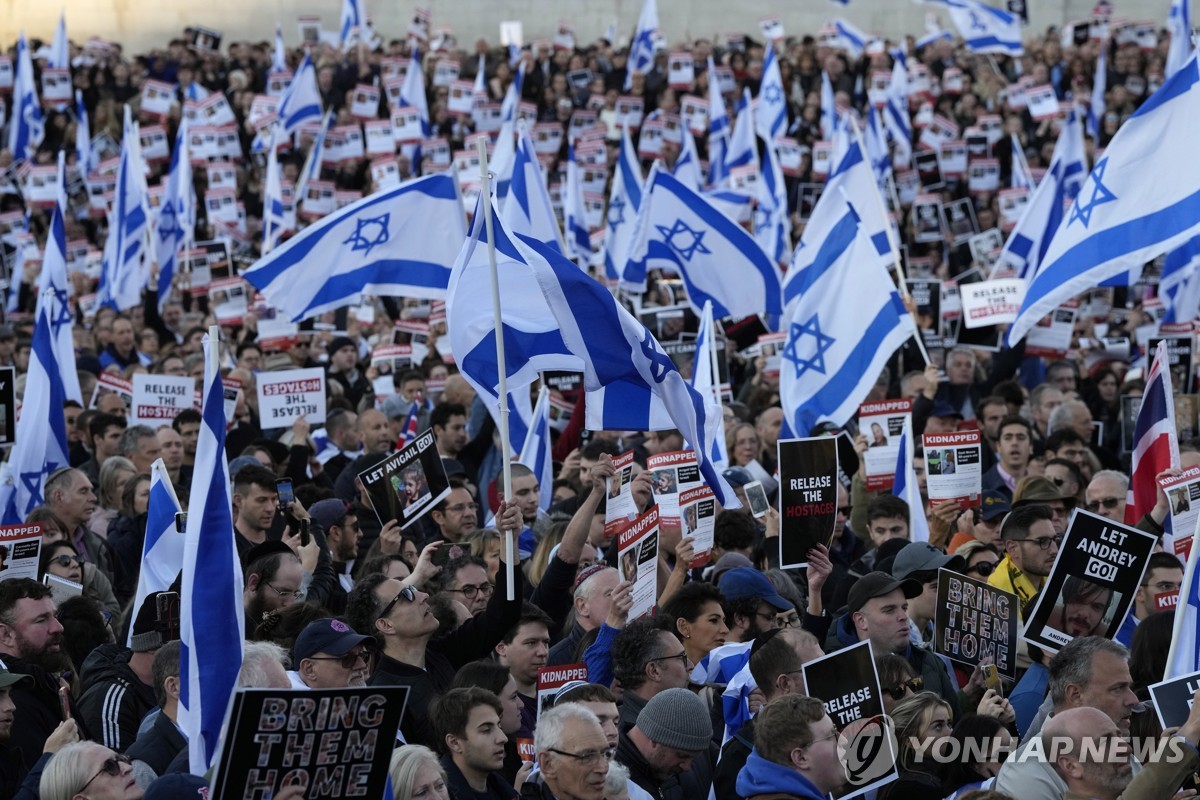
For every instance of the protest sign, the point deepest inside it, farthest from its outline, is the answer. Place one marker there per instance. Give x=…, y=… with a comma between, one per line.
x=20, y=546
x=330, y=742
x=620, y=507
x=408, y=483
x=1183, y=494
x=994, y=302
x=61, y=589
x=637, y=554
x=952, y=467
x=698, y=511
x=974, y=621
x=670, y=474
x=882, y=423
x=1180, y=339
x=109, y=383
x=8, y=406
x=848, y=684
x=285, y=396
x=807, y=496
x=551, y=679
x=1092, y=584
x=1173, y=699
x=1050, y=338
x=157, y=399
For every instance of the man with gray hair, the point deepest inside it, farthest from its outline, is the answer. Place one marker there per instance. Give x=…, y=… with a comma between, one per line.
x=670, y=752
x=1089, y=671
x=1105, y=495
x=1073, y=415
x=592, y=599
x=572, y=755
x=139, y=443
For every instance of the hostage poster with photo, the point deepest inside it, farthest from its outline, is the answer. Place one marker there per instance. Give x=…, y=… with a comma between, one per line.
x=953, y=467
x=882, y=423
x=1183, y=494
x=670, y=474
x=284, y=397
x=409, y=483
x=20, y=547
x=698, y=510
x=807, y=497
x=637, y=554
x=619, y=507
x=1092, y=584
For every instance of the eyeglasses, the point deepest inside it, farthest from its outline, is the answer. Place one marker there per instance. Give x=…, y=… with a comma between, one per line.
x=347, y=661
x=590, y=757
x=845, y=510
x=983, y=568
x=790, y=621
x=899, y=690
x=408, y=593
x=831, y=735
x=111, y=767
x=458, y=508
x=470, y=592
x=683, y=659
x=66, y=561
x=1109, y=503
x=295, y=595
x=1044, y=542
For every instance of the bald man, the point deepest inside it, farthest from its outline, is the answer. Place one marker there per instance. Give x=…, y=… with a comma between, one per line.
x=1093, y=757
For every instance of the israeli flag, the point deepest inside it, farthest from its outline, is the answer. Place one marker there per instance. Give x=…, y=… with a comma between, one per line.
x=27, y=126
x=512, y=95
x=124, y=270
x=579, y=240
x=41, y=448
x=984, y=28
x=1097, y=106
x=829, y=113
x=527, y=209
x=1022, y=176
x=718, y=129
x=849, y=38
x=834, y=352
x=274, y=219
x=396, y=242
x=1139, y=201
x=624, y=203
x=1179, y=24
x=895, y=112
x=162, y=549
x=905, y=486
x=875, y=140
x=772, y=117
x=212, y=620
x=705, y=379
x=503, y=160
x=479, y=89
x=279, y=54
x=85, y=162
x=536, y=450
x=312, y=162
x=176, y=223
x=301, y=100
x=687, y=163
x=743, y=145
x=354, y=23
x=1179, y=285
x=1026, y=245
x=772, y=225
x=682, y=232
x=52, y=291
x=60, y=46
x=721, y=664
x=641, y=49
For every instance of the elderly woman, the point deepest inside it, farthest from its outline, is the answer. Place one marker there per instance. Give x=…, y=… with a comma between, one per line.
x=87, y=769
x=417, y=775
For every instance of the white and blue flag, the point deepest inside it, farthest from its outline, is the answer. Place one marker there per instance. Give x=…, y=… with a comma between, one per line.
x=771, y=118
x=176, y=217
x=27, y=126
x=312, y=162
x=53, y=291
x=578, y=235
x=705, y=377
x=1097, y=106
x=687, y=163
x=718, y=129
x=1026, y=245
x=353, y=28
x=394, y=242
x=624, y=203
x=895, y=111
x=772, y=225
x=162, y=549
x=1179, y=24
x=60, y=46
x=849, y=38
x=905, y=486
x=641, y=49
x=1022, y=176
x=527, y=209
x=1141, y=199
x=512, y=95
x=829, y=112
x=742, y=150
x=85, y=162
x=875, y=139
x=412, y=94
x=212, y=618
x=1179, y=284
x=536, y=450
x=274, y=216
x=301, y=100
x=682, y=232
x=984, y=28
x=124, y=272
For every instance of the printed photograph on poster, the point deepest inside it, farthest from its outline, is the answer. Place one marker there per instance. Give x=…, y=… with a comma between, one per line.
x=670, y=474
x=109, y=383
x=807, y=496
x=637, y=559
x=1183, y=494
x=976, y=621
x=257, y=749
x=409, y=483
x=619, y=506
x=698, y=511
x=882, y=423
x=927, y=219
x=848, y=684
x=1180, y=341
x=1091, y=587
x=551, y=679
x=8, y=406
x=958, y=217
x=20, y=547
x=287, y=395
x=952, y=467
x=1051, y=336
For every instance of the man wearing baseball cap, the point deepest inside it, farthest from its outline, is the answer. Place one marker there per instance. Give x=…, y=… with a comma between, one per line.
x=329, y=654
x=13, y=774
x=751, y=603
x=670, y=752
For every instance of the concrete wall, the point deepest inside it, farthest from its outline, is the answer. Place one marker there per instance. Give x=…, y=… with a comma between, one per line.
x=141, y=24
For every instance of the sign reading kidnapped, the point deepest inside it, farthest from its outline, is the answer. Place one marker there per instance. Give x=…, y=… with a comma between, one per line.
x=331, y=742
x=975, y=621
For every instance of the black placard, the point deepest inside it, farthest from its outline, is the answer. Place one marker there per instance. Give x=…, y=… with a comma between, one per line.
x=974, y=621
x=8, y=406
x=1173, y=699
x=407, y=484
x=807, y=496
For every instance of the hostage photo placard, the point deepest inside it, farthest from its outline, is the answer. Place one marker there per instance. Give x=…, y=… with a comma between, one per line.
x=408, y=483
x=157, y=399
x=620, y=508
x=807, y=497
x=20, y=547
x=952, y=467
x=637, y=553
x=698, y=510
x=551, y=679
x=1092, y=584
x=285, y=396
x=882, y=423
x=331, y=742
x=1183, y=493
x=670, y=474
x=975, y=621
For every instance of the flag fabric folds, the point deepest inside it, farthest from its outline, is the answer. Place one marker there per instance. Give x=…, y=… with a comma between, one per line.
x=301, y=100
x=84, y=161
x=212, y=619
x=1155, y=446
x=1179, y=24
x=176, y=217
x=1183, y=657
x=771, y=117
x=705, y=379
x=624, y=203
x=1097, y=106
x=718, y=129
x=536, y=450
x=1139, y=201
x=984, y=28
x=395, y=242
x=641, y=49
x=274, y=220
x=905, y=487
x=528, y=209
x=27, y=126
x=124, y=271
x=52, y=291
x=1179, y=284
x=162, y=549
x=353, y=26
x=60, y=46
x=578, y=235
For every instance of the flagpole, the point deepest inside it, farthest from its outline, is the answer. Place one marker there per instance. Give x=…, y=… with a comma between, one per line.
x=891, y=236
x=485, y=188
x=1180, y=617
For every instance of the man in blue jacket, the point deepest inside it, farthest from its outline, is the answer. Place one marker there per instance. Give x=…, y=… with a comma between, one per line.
x=795, y=752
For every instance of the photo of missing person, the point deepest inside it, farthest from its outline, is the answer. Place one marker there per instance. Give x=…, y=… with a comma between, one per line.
x=664, y=481
x=1082, y=608
x=1179, y=500
x=411, y=487
x=878, y=438
x=629, y=565
x=691, y=519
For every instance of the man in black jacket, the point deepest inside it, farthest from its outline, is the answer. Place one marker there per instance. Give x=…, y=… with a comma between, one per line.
x=158, y=746
x=669, y=752
x=467, y=725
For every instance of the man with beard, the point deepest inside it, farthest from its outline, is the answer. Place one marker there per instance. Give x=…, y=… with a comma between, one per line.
x=330, y=655
x=751, y=603
x=1082, y=611
x=12, y=769
x=31, y=644
x=1030, y=546
x=273, y=580
x=255, y=501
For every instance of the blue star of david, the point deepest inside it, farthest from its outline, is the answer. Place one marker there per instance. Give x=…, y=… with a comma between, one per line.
x=681, y=228
x=772, y=95
x=660, y=364
x=762, y=217
x=822, y=343
x=1101, y=194
x=362, y=239
x=616, y=213
x=168, y=227
x=977, y=23
x=62, y=312
x=32, y=481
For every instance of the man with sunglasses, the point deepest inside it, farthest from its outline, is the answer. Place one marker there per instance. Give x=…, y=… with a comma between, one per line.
x=1105, y=495
x=329, y=655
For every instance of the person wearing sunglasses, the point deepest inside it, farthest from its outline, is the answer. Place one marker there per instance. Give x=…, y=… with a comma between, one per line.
x=981, y=559
x=330, y=655
x=62, y=560
x=1030, y=546
x=1106, y=494
x=88, y=770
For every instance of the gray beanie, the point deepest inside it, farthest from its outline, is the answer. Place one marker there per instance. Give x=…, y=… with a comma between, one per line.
x=676, y=718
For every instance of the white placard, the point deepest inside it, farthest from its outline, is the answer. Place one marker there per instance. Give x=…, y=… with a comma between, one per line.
x=157, y=399
x=285, y=396
x=994, y=302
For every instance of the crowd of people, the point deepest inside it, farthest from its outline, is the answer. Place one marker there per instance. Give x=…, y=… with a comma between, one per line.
x=337, y=597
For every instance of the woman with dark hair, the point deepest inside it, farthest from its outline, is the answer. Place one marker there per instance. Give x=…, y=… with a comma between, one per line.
x=62, y=560
x=127, y=533
x=698, y=619
x=499, y=681
x=1147, y=664
x=977, y=735
x=897, y=680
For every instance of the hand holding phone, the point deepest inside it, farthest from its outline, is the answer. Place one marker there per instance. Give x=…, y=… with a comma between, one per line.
x=756, y=496
x=991, y=678
x=286, y=495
